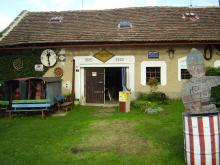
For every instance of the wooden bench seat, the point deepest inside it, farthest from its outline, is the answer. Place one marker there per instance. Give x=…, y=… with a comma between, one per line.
x=40, y=105
x=65, y=106
x=62, y=104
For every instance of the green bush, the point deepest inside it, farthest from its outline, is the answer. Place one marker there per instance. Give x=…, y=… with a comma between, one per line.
x=215, y=92
x=143, y=104
x=149, y=101
x=215, y=95
x=159, y=97
x=211, y=71
x=139, y=104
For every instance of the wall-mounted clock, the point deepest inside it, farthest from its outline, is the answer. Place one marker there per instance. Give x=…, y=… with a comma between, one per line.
x=48, y=57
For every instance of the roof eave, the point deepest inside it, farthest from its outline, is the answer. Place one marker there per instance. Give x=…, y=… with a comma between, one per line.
x=40, y=45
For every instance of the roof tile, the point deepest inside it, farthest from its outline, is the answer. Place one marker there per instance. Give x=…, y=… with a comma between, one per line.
x=149, y=24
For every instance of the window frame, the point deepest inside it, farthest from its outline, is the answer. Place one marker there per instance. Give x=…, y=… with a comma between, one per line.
x=155, y=72
x=184, y=75
x=181, y=65
x=163, y=71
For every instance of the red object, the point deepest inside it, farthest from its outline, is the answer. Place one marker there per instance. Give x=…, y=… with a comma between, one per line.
x=122, y=106
x=201, y=139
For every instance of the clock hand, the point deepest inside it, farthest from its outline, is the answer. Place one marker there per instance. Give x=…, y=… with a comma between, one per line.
x=48, y=58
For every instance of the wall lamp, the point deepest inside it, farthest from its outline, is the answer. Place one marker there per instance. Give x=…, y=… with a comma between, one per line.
x=171, y=53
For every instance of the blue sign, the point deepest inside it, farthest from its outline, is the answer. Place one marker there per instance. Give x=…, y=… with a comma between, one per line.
x=153, y=54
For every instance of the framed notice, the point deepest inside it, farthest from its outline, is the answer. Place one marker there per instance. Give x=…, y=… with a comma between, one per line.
x=153, y=54
x=39, y=67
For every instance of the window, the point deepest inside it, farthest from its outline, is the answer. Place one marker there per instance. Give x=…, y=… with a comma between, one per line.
x=185, y=74
x=56, y=19
x=190, y=16
x=157, y=69
x=153, y=72
x=124, y=24
x=182, y=68
x=217, y=63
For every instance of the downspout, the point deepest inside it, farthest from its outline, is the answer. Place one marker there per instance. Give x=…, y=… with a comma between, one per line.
x=73, y=82
x=123, y=81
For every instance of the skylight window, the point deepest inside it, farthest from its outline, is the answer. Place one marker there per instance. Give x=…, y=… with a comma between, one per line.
x=190, y=16
x=56, y=19
x=124, y=24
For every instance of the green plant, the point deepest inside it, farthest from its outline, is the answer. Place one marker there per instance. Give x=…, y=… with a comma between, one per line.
x=215, y=97
x=68, y=97
x=158, y=97
x=153, y=82
x=139, y=104
x=211, y=71
x=153, y=110
x=27, y=58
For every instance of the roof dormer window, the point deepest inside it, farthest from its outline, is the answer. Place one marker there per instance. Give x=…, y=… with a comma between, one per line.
x=56, y=19
x=124, y=25
x=190, y=16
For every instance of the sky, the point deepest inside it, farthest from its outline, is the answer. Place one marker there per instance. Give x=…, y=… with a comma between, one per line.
x=9, y=9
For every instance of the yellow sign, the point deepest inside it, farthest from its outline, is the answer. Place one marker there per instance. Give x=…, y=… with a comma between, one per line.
x=103, y=55
x=123, y=96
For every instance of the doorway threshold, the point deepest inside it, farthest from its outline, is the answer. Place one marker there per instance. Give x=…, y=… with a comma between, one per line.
x=102, y=105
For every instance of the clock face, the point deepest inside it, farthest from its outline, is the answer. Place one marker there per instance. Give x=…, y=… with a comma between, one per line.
x=48, y=58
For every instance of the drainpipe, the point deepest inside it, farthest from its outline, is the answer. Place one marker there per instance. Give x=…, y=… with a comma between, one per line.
x=73, y=82
x=123, y=81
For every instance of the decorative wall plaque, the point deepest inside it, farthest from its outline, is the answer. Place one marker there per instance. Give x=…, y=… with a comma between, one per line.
x=103, y=55
x=17, y=63
x=58, y=72
x=62, y=58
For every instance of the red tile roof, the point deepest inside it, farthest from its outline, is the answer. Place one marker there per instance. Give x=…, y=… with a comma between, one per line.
x=149, y=24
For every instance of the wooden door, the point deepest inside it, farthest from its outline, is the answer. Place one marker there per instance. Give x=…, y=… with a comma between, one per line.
x=95, y=84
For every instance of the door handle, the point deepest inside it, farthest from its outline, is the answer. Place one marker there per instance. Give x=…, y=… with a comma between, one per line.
x=97, y=92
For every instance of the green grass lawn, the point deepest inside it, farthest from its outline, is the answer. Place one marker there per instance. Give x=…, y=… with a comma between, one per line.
x=91, y=135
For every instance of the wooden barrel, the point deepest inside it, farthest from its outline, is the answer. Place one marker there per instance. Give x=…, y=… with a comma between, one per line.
x=201, y=139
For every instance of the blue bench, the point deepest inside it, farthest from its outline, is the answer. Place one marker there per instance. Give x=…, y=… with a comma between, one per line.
x=40, y=105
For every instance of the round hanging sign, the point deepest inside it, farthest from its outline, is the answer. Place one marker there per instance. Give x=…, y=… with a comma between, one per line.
x=58, y=72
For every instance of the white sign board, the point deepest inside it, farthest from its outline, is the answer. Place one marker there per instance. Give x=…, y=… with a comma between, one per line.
x=94, y=74
x=39, y=67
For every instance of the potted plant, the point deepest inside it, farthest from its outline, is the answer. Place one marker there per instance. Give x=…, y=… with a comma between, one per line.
x=153, y=82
